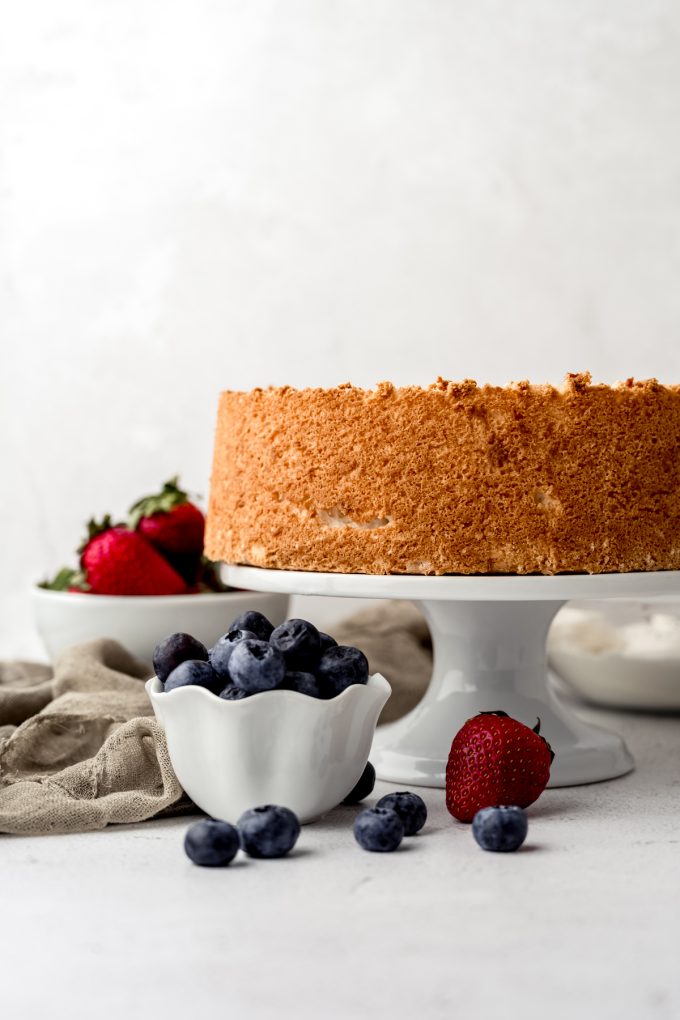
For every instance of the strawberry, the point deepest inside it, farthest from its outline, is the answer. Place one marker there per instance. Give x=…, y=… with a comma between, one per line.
x=117, y=561
x=174, y=525
x=169, y=520
x=495, y=760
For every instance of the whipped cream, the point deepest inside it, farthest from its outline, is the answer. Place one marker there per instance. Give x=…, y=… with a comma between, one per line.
x=654, y=635
x=619, y=654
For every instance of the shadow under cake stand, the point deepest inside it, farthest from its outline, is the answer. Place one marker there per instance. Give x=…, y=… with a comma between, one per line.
x=489, y=645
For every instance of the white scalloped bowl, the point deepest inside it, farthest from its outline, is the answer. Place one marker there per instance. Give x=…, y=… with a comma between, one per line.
x=277, y=747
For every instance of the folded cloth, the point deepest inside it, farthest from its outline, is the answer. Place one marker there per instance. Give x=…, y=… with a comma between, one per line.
x=396, y=641
x=80, y=748
x=25, y=688
x=93, y=755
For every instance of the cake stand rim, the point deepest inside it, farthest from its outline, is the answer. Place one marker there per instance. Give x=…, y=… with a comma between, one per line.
x=457, y=587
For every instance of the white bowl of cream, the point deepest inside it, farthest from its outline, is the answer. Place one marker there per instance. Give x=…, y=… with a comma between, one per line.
x=620, y=654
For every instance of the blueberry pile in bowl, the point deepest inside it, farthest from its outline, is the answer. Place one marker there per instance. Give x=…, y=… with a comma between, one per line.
x=253, y=656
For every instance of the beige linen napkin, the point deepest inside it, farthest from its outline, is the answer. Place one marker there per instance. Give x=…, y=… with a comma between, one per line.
x=396, y=641
x=80, y=749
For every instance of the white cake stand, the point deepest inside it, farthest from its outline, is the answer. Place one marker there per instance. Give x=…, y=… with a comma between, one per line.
x=489, y=637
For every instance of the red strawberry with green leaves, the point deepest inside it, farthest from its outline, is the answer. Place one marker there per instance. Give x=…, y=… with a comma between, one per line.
x=117, y=561
x=495, y=760
x=66, y=579
x=174, y=525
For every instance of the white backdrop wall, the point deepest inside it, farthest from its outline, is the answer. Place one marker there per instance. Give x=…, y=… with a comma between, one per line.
x=197, y=195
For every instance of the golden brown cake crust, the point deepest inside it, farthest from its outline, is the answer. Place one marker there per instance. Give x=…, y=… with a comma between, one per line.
x=456, y=478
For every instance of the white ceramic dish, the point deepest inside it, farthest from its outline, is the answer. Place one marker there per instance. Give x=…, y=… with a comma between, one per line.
x=139, y=623
x=278, y=747
x=622, y=655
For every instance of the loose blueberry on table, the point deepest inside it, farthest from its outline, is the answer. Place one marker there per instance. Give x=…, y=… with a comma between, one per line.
x=379, y=830
x=211, y=843
x=253, y=657
x=363, y=788
x=268, y=831
x=500, y=829
x=410, y=808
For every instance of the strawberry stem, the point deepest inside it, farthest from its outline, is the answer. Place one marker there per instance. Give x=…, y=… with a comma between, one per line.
x=95, y=528
x=65, y=579
x=536, y=729
x=170, y=496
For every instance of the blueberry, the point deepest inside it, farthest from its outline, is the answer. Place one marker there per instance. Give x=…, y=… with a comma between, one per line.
x=220, y=653
x=193, y=673
x=298, y=642
x=378, y=829
x=255, y=622
x=339, y=668
x=304, y=683
x=233, y=693
x=326, y=642
x=363, y=788
x=211, y=844
x=256, y=666
x=410, y=808
x=501, y=829
x=174, y=649
x=268, y=831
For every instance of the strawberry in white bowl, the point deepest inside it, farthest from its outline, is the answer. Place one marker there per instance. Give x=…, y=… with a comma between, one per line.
x=141, y=577
x=157, y=551
x=175, y=527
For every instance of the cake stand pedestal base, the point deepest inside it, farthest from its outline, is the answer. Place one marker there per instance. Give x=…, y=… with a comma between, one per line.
x=491, y=655
x=488, y=637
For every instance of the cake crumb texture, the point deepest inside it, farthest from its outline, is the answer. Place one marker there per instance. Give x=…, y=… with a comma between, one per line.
x=456, y=478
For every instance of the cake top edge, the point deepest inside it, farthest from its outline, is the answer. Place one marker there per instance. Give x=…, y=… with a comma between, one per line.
x=573, y=383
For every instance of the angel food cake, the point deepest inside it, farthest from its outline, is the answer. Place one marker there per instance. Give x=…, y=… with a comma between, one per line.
x=453, y=479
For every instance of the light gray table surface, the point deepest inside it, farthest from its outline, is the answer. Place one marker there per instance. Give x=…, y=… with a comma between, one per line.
x=583, y=922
